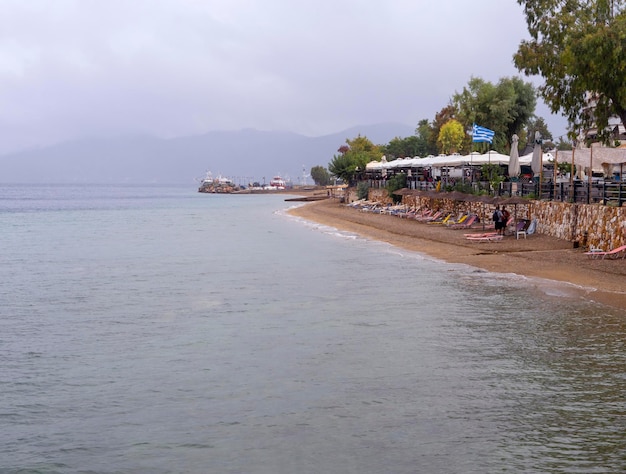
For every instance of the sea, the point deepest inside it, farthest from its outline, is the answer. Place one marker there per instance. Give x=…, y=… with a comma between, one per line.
x=155, y=329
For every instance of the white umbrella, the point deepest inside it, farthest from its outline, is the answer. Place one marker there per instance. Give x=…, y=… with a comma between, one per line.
x=514, y=167
x=536, y=164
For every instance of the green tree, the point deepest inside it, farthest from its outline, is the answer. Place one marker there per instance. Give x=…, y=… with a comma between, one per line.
x=492, y=174
x=577, y=46
x=320, y=176
x=353, y=157
x=402, y=147
x=449, y=112
x=343, y=167
x=394, y=183
x=506, y=108
x=426, y=139
x=563, y=144
x=451, y=137
x=539, y=125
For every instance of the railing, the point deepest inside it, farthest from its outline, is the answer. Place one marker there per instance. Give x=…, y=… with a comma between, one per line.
x=611, y=193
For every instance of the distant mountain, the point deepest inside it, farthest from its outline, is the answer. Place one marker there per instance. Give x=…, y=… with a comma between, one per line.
x=246, y=155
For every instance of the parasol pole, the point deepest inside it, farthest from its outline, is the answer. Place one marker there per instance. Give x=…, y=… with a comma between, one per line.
x=541, y=171
x=571, y=171
x=556, y=163
x=590, y=174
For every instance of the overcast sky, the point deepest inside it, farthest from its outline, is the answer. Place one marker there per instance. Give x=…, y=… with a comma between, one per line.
x=75, y=68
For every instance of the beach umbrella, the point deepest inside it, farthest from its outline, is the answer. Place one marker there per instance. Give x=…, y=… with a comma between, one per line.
x=514, y=201
x=514, y=167
x=536, y=164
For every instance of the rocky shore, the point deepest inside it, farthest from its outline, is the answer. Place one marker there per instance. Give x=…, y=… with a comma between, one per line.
x=539, y=255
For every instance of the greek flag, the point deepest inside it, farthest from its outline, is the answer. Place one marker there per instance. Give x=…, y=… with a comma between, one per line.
x=482, y=134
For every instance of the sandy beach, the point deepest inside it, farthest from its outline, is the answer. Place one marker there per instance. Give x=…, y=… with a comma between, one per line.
x=603, y=281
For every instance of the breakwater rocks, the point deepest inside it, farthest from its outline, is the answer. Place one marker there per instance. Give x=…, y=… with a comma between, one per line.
x=222, y=188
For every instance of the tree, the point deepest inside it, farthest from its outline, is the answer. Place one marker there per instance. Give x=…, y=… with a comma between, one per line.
x=352, y=157
x=451, y=137
x=320, y=176
x=426, y=139
x=442, y=117
x=577, y=46
x=492, y=174
x=402, y=147
x=505, y=108
x=343, y=167
x=539, y=125
x=394, y=183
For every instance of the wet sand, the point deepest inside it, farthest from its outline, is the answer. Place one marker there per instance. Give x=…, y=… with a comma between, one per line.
x=539, y=255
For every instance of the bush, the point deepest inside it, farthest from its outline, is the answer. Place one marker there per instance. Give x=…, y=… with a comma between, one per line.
x=362, y=190
x=393, y=184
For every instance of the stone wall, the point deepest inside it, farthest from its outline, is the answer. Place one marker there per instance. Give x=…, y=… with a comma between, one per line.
x=591, y=225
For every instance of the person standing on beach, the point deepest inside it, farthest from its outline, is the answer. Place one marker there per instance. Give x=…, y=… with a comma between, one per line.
x=498, y=221
x=505, y=219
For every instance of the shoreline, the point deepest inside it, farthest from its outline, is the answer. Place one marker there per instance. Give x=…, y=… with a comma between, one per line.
x=540, y=256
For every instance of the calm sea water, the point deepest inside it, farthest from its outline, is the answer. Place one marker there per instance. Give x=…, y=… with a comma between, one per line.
x=155, y=329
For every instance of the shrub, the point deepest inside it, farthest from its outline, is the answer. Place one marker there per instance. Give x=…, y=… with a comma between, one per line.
x=362, y=190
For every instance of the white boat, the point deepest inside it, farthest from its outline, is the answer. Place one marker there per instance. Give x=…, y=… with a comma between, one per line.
x=219, y=184
x=277, y=182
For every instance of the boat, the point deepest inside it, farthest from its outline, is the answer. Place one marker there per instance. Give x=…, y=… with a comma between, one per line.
x=219, y=184
x=277, y=182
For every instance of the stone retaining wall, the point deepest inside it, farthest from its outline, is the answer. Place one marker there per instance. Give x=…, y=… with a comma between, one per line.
x=590, y=225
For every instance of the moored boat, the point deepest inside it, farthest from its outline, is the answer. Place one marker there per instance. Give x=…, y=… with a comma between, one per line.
x=278, y=182
x=219, y=184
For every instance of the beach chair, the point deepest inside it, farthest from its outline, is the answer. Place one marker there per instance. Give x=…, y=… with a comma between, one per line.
x=460, y=219
x=465, y=224
x=441, y=221
x=611, y=254
x=480, y=234
x=421, y=214
x=522, y=228
x=430, y=217
x=486, y=238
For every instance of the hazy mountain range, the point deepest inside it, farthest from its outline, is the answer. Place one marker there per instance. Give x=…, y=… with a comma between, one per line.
x=246, y=155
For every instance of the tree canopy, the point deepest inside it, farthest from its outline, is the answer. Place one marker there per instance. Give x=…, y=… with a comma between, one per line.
x=451, y=137
x=320, y=175
x=506, y=107
x=579, y=48
x=352, y=157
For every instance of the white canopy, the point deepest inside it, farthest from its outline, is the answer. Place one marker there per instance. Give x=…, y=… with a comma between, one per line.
x=456, y=160
x=600, y=158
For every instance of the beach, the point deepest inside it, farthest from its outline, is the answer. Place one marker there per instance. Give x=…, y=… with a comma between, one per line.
x=540, y=256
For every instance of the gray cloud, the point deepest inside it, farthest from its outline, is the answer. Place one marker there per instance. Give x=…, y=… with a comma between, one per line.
x=170, y=67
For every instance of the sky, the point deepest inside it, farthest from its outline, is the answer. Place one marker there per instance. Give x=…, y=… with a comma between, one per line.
x=167, y=68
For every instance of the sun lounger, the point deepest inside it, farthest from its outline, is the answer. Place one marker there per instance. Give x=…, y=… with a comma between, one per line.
x=480, y=234
x=465, y=224
x=615, y=253
x=431, y=217
x=440, y=221
x=486, y=238
x=422, y=214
